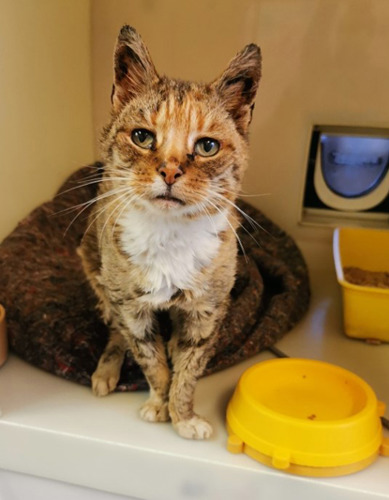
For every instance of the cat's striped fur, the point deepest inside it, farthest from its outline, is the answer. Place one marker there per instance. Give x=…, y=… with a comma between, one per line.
x=162, y=234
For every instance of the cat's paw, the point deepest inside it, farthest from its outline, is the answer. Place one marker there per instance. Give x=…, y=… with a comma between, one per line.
x=104, y=382
x=152, y=411
x=194, y=428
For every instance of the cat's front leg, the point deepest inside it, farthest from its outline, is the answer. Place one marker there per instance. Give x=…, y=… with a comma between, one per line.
x=107, y=373
x=148, y=349
x=149, y=353
x=192, y=350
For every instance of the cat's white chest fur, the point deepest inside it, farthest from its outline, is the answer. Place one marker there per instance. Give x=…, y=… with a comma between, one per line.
x=168, y=250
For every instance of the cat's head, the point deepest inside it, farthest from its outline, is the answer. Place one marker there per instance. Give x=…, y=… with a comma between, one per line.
x=180, y=147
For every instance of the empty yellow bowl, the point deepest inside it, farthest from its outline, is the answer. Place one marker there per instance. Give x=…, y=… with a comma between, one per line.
x=306, y=417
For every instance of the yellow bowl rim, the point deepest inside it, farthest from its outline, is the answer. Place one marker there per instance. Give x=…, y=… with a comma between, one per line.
x=339, y=267
x=371, y=398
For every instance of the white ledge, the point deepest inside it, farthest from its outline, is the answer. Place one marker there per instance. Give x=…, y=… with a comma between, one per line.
x=58, y=430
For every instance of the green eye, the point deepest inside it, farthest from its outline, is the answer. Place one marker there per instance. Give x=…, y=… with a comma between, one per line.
x=143, y=138
x=207, y=147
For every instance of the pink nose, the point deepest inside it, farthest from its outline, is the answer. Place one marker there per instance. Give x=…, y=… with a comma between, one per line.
x=170, y=173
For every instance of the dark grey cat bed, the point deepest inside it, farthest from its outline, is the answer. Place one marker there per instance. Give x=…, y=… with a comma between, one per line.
x=51, y=316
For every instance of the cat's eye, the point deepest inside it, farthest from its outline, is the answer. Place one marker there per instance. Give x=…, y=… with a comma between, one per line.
x=143, y=138
x=207, y=147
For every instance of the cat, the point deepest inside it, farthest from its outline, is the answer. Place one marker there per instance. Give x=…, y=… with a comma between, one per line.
x=162, y=233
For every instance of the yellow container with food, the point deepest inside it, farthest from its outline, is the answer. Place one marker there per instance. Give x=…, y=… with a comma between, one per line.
x=362, y=267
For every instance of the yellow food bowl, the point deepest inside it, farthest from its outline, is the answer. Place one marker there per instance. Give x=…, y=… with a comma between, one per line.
x=306, y=417
x=365, y=308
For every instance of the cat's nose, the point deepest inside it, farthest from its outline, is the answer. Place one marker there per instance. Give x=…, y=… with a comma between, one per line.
x=170, y=173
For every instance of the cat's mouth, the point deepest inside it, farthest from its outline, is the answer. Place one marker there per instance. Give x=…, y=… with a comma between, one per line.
x=169, y=198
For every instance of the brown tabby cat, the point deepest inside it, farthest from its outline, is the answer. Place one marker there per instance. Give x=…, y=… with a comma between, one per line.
x=162, y=234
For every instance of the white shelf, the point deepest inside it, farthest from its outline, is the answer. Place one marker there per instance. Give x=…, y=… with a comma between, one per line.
x=58, y=430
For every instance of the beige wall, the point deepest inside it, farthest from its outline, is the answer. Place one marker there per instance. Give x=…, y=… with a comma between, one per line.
x=45, y=100
x=325, y=62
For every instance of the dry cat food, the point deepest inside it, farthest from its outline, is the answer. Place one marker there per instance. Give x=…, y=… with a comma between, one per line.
x=358, y=276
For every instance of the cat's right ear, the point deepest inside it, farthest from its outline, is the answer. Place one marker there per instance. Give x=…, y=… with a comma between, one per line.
x=133, y=68
x=237, y=86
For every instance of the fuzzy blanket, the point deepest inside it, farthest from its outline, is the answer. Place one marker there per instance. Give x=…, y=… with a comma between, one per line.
x=51, y=316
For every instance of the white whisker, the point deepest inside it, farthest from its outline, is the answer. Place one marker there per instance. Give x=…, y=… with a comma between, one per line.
x=231, y=226
x=253, y=223
x=104, y=209
x=202, y=206
x=128, y=198
x=91, y=182
x=87, y=204
x=239, y=194
x=246, y=231
x=125, y=205
x=109, y=216
x=243, y=195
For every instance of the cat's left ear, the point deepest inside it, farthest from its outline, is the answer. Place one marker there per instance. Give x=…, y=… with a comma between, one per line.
x=238, y=85
x=133, y=67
